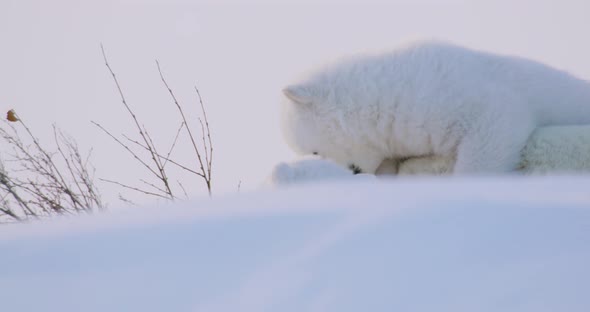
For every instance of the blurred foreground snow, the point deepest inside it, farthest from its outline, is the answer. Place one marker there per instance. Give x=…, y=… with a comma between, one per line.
x=486, y=244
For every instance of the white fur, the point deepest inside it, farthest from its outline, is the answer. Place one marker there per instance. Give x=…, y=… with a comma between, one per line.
x=308, y=169
x=564, y=149
x=430, y=99
x=549, y=150
x=554, y=149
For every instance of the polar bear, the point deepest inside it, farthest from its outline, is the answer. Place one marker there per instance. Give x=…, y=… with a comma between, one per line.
x=430, y=99
x=549, y=150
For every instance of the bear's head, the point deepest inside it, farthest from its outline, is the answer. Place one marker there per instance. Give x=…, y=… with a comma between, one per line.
x=320, y=121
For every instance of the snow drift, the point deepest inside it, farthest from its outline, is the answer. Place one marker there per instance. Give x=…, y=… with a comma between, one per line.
x=446, y=244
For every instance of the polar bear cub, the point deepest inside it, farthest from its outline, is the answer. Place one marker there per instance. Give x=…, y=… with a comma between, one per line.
x=430, y=99
x=549, y=150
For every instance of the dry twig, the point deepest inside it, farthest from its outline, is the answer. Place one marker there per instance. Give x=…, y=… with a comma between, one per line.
x=41, y=183
x=156, y=165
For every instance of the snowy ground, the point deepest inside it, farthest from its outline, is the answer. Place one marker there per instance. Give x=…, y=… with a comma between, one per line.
x=487, y=244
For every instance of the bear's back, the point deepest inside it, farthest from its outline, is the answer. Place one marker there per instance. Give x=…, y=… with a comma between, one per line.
x=434, y=73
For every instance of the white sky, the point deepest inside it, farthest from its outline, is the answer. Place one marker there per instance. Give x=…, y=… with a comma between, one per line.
x=240, y=54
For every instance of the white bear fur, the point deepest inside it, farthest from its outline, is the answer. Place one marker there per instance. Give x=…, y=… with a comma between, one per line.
x=550, y=150
x=430, y=100
x=308, y=169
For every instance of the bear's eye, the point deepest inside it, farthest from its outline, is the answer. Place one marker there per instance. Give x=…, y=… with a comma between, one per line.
x=355, y=169
x=315, y=153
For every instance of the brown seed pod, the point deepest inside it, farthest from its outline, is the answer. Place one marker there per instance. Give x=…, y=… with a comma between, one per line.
x=11, y=116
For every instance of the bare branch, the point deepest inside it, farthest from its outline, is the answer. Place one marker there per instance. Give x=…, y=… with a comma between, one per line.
x=148, y=143
x=167, y=159
x=182, y=124
x=183, y=189
x=205, y=173
x=161, y=169
x=158, y=164
x=134, y=188
x=126, y=148
x=153, y=186
x=39, y=183
x=209, y=165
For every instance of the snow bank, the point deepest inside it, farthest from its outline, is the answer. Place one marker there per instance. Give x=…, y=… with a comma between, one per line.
x=486, y=244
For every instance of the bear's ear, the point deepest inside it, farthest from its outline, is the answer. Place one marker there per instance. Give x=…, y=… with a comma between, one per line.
x=299, y=94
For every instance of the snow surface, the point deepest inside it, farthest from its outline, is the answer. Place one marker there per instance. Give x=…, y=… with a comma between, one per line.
x=438, y=244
